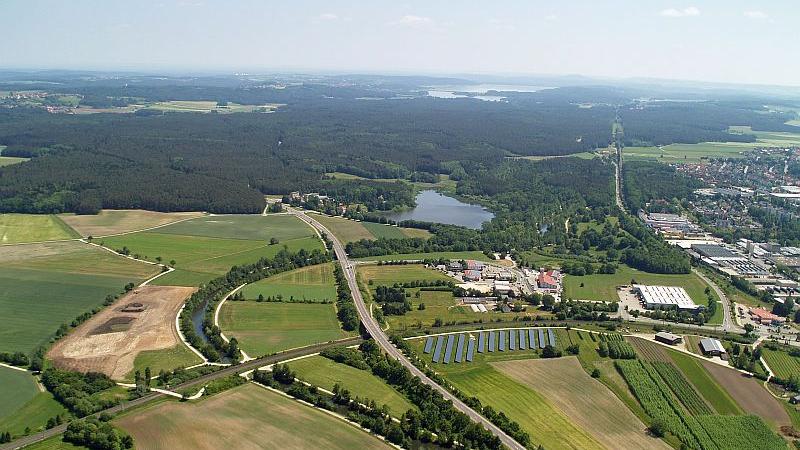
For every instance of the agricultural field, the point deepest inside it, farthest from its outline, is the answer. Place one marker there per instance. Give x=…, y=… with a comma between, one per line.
x=247, y=416
x=265, y=328
x=715, y=394
x=350, y=230
x=307, y=283
x=54, y=443
x=109, y=342
x=546, y=425
x=9, y=160
x=209, y=246
x=23, y=405
x=170, y=358
x=22, y=228
x=585, y=401
x=604, y=286
x=782, y=363
x=45, y=285
x=323, y=372
x=204, y=106
x=116, y=221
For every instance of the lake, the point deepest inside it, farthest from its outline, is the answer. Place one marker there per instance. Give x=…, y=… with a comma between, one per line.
x=450, y=91
x=435, y=207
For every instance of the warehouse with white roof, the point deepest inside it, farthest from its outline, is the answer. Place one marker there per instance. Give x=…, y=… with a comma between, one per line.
x=664, y=297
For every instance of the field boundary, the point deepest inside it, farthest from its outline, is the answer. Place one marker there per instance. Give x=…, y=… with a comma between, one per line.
x=245, y=356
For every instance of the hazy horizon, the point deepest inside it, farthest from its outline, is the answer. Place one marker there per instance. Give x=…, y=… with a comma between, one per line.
x=700, y=41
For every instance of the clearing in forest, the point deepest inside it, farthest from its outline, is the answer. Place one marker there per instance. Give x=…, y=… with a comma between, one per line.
x=245, y=417
x=584, y=400
x=115, y=221
x=142, y=320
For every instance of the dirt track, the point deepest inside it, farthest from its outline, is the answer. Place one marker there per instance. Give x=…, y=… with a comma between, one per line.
x=102, y=345
x=749, y=394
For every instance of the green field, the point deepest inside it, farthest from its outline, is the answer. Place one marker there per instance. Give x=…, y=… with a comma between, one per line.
x=16, y=389
x=344, y=229
x=476, y=255
x=245, y=417
x=45, y=285
x=207, y=247
x=206, y=106
x=54, y=443
x=694, y=153
x=715, y=394
x=166, y=359
x=546, y=425
x=312, y=283
x=323, y=372
x=9, y=160
x=265, y=328
x=782, y=364
x=604, y=286
x=20, y=228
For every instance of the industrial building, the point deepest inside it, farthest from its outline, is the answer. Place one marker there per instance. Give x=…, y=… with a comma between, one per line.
x=712, y=347
x=664, y=297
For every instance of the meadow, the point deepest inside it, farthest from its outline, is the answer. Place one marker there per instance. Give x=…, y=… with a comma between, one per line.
x=43, y=286
x=21, y=228
x=782, y=363
x=23, y=406
x=265, y=328
x=207, y=106
x=54, y=443
x=247, y=416
x=207, y=247
x=604, y=286
x=347, y=230
x=16, y=389
x=115, y=221
x=166, y=359
x=312, y=283
x=476, y=255
x=325, y=373
x=9, y=160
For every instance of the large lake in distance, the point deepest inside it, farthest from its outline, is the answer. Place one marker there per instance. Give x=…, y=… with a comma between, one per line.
x=435, y=207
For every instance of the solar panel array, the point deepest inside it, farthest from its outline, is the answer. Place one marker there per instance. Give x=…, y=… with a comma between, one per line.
x=486, y=341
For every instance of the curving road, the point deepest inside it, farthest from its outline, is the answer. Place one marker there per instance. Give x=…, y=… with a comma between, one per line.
x=374, y=329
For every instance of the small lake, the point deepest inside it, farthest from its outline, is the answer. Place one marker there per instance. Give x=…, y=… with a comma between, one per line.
x=435, y=207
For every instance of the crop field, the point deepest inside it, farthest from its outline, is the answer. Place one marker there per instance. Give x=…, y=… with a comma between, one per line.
x=311, y=282
x=715, y=394
x=536, y=415
x=648, y=350
x=476, y=255
x=585, y=401
x=344, y=229
x=323, y=372
x=115, y=221
x=43, y=286
x=749, y=394
x=169, y=358
x=20, y=228
x=264, y=328
x=604, y=286
x=109, y=342
x=246, y=417
x=388, y=274
x=782, y=364
x=207, y=247
x=9, y=160
x=16, y=389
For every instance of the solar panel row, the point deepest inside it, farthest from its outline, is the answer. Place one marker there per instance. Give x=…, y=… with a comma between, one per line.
x=501, y=343
x=437, y=354
x=512, y=340
x=492, y=339
x=552, y=337
x=522, y=345
x=481, y=341
x=541, y=338
x=428, y=344
x=460, y=348
x=532, y=338
x=448, y=352
x=471, y=349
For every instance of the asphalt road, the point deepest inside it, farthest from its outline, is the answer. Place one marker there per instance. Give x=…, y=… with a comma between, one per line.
x=374, y=329
x=230, y=370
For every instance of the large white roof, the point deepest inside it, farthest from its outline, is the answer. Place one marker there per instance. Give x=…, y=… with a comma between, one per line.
x=665, y=295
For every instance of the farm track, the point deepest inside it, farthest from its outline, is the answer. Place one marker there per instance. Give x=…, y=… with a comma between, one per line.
x=231, y=370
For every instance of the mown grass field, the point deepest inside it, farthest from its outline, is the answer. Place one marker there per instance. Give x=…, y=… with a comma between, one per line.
x=16, y=389
x=42, y=287
x=247, y=416
x=54, y=443
x=207, y=247
x=325, y=373
x=712, y=391
x=33, y=414
x=604, y=286
x=9, y=160
x=476, y=255
x=166, y=359
x=782, y=364
x=344, y=229
x=311, y=283
x=546, y=425
x=585, y=401
x=113, y=221
x=264, y=328
x=20, y=228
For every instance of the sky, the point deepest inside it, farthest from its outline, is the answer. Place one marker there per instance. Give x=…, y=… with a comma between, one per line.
x=716, y=40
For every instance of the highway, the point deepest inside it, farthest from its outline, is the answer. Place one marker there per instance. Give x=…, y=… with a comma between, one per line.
x=230, y=370
x=374, y=330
